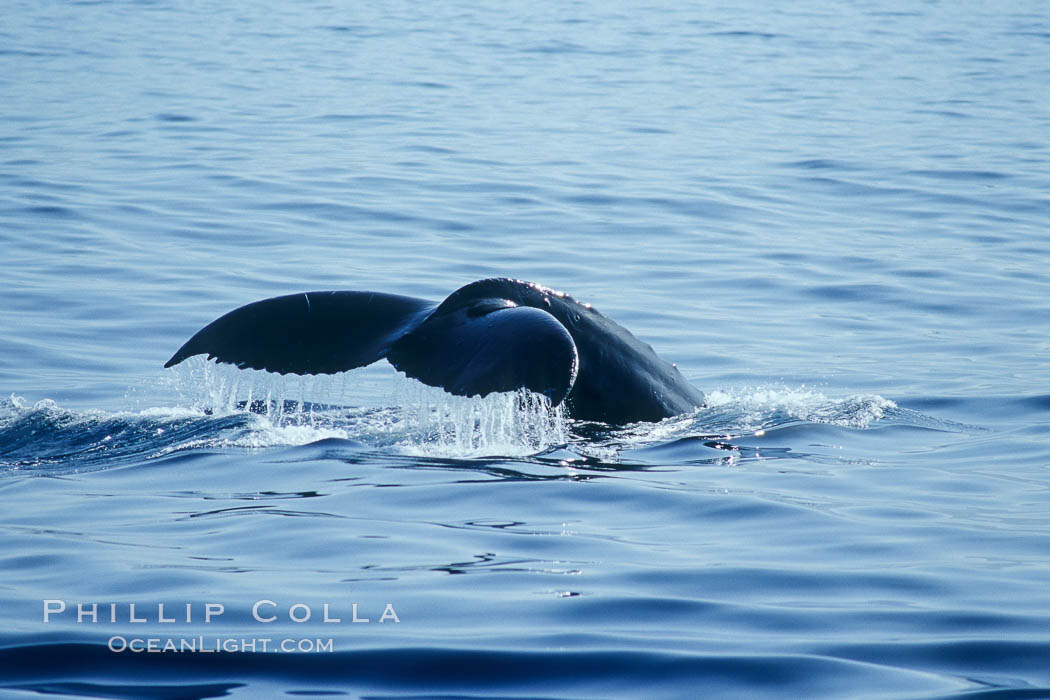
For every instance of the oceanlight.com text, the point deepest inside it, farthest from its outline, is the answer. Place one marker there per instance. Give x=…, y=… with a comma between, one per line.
x=212, y=645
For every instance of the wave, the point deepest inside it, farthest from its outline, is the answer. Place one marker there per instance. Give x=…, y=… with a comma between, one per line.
x=46, y=438
x=217, y=411
x=453, y=672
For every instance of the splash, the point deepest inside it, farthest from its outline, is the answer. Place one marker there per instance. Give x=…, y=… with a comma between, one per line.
x=752, y=409
x=732, y=413
x=357, y=405
x=48, y=438
x=510, y=424
x=284, y=399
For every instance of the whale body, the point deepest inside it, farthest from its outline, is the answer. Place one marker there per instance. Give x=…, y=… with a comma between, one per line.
x=489, y=336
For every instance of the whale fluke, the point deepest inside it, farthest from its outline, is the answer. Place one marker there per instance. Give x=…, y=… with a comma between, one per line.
x=489, y=336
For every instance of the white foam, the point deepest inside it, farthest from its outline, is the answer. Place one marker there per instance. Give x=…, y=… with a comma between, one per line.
x=755, y=407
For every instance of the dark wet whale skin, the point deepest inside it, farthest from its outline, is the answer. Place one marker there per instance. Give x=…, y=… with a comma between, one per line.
x=620, y=378
x=491, y=335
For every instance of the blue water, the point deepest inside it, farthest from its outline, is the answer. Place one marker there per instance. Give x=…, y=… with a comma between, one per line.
x=834, y=217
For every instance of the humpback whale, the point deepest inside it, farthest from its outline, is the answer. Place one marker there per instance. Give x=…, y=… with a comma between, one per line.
x=489, y=336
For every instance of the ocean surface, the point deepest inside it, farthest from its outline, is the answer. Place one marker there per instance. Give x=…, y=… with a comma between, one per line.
x=833, y=217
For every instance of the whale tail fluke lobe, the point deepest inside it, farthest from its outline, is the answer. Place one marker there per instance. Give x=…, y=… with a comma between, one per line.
x=484, y=346
x=487, y=347
x=309, y=333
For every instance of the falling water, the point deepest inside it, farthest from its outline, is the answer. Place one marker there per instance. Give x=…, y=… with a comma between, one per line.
x=381, y=406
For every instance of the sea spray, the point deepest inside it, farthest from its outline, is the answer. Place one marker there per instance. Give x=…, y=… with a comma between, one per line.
x=409, y=415
x=512, y=423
